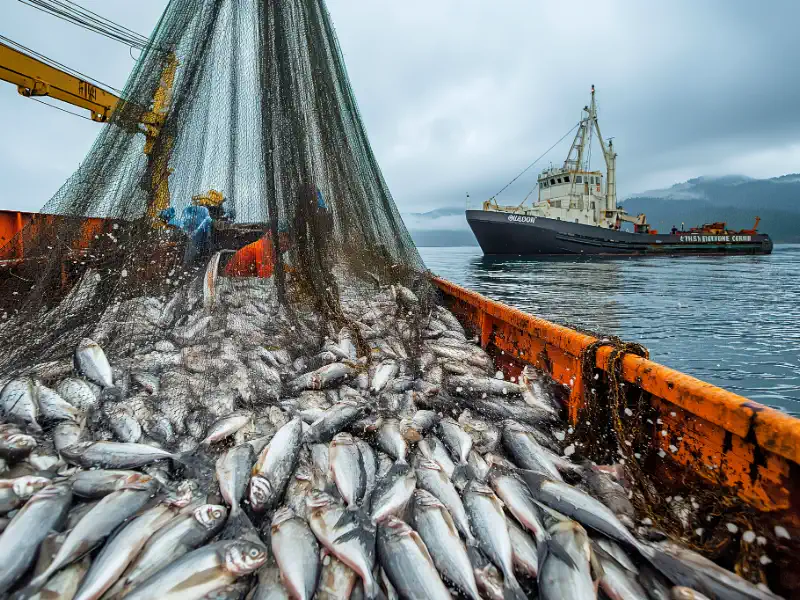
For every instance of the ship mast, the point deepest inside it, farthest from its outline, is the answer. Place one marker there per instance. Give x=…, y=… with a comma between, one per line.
x=610, y=158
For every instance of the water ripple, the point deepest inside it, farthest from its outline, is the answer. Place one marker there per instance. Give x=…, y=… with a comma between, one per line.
x=731, y=321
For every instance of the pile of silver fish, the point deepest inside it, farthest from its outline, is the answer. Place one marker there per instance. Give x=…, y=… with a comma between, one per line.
x=215, y=445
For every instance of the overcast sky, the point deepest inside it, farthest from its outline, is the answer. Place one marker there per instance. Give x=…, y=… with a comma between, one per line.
x=460, y=95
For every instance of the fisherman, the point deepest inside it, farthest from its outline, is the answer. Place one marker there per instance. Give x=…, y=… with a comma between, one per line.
x=674, y=230
x=195, y=222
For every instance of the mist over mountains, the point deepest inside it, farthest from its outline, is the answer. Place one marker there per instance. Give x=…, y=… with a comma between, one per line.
x=735, y=199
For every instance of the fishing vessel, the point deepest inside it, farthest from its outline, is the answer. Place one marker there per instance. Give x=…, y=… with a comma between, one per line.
x=577, y=214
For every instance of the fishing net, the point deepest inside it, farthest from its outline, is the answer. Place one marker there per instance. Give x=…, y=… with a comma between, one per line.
x=229, y=219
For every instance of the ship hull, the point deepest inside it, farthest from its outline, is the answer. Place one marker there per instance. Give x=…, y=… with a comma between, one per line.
x=501, y=234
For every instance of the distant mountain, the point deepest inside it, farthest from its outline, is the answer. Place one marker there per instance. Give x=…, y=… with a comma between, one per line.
x=440, y=227
x=735, y=199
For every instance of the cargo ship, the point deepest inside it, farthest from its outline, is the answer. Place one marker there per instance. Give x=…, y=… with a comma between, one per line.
x=577, y=214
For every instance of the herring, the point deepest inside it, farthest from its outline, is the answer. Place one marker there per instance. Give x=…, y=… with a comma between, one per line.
x=517, y=499
x=407, y=562
x=19, y=404
x=274, y=466
x=391, y=440
x=233, y=470
x=527, y=452
x=53, y=407
x=346, y=469
x=432, y=478
x=437, y=529
x=297, y=552
x=91, y=361
x=226, y=427
x=393, y=492
x=488, y=522
x=336, y=418
x=564, y=564
x=433, y=449
x=114, y=455
x=523, y=549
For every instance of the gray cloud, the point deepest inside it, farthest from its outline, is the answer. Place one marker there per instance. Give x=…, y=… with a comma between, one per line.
x=459, y=95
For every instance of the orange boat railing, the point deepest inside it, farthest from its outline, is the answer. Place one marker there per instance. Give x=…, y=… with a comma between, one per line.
x=722, y=436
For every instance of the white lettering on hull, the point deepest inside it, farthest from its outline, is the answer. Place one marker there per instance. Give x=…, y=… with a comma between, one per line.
x=521, y=219
x=716, y=238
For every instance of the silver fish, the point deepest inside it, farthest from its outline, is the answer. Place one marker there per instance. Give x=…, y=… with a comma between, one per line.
x=456, y=439
x=66, y=434
x=564, y=564
x=336, y=581
x=15, y=445
x=53, y=407
x=64, y=584
x=523, y=548
x=299, y=487
x=352, y=544
x=324, y=377
x=297, y=552
x=488, y=521
x=689, y=569
x=346, y=469
x=609, y=492
x=391, y=440
x=15, y=492
x=480, y=468
x=685, y=593
x=98, y=483
x=526, y=451
x=336, y=418
x=433, y=449
x=114, y=455
x=517, y=499
x=78, y=393
x=393, y=492
x=226, y=427
x=431, y=478
x=20, y=541
x=99, y=522
x=369, y=461
x=485, y=436
x=383, y=374
x=219, y=564
x=657, y=587
x=123, y=423
x=406, y=561
x=177, y=538
x=617, y=581
x=437, y=529
x=577, y=505
x=233, y=471
x=274, y=466
x=118, y=553
x=422, y=422
x=320, y=465
x=91, y=361
x=18, y=401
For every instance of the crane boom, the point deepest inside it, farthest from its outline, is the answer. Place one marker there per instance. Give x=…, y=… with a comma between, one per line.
x=34, y=77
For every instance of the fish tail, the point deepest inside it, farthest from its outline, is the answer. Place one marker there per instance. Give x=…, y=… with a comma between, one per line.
x=512, y=589
x=463, y=472
x=36, y=584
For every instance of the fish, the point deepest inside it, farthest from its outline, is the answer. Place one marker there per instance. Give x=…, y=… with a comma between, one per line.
x=66, y=434
x=90, y=360
x=479, y=466
x=119, y=551
x=202, y=571
x=352, y=543
x=420, y=423
x=336, y=580
x=438, y=531
x=64, y=584
x=15, y=445
x=393, y=492
x=577, y=505
x=297, y=490
x=114, y=455
x=46, y=511
x=517, y=499
x=657, y=587
x=346, y=469
x=609, y=492
x=488, y=522
x=407, y=562
x=233, y=471
x=619, y=581
x=97, y=525
x=470, y=386
x=432, y=478
x=226, y=427
x=684, y=593
x=526, y=451
x=320, y=466
x=391, y=440
x=689, y=569
x=79, y=394
x=124, y=425
x=98, y=483
x=274, y=466
x=19, y=403
x=53, y=407
x=383, y=374
x=184, y=533
x=324, y=377
x=369, y=462
x=523, y=549
x=297, y=553
x=15, y=492
x=485, y=436
x=336, y=418
x=456, y=439
x=433, y=449
x=564, y=564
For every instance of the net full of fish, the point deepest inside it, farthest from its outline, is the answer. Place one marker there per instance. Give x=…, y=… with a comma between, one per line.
x=217, y=460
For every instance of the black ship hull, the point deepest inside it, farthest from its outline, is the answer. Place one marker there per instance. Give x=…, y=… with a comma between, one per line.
x=500, y=233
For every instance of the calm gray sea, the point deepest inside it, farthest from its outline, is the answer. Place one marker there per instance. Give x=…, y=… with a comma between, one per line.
x=731, y=321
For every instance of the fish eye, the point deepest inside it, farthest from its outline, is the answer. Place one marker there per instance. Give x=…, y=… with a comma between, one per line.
x=216, y=514
x=253, y=552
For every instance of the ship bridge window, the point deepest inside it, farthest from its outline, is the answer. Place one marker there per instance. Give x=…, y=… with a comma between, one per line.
x=578, y=179
x=552, y=182
x=566, y=179
x=559, y=180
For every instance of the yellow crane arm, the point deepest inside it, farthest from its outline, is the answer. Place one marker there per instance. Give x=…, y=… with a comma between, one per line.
x=36, y=78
